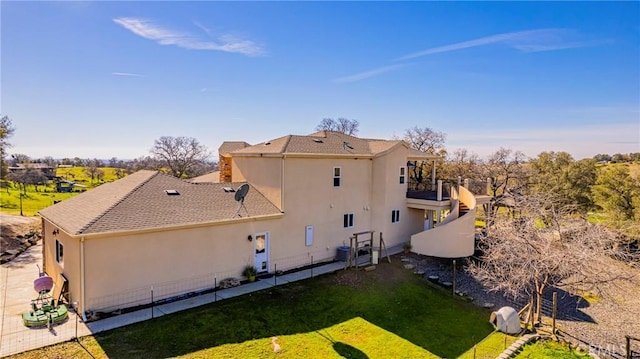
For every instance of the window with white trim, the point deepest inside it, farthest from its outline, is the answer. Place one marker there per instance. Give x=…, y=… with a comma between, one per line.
x=348, y=220
x=337, y=176
x=403, y=171
x=395, y=216
x=59, y=252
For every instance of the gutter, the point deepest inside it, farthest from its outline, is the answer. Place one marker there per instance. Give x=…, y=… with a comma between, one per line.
x=178, y=227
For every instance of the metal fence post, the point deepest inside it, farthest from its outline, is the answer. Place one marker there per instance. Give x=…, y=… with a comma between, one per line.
x=553, y=317
x=151, y=302
x=454, y=278
x=215, y=289
x=275, y=274
x=311, y=266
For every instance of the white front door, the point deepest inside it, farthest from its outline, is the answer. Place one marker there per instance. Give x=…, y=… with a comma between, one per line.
x=261, y=249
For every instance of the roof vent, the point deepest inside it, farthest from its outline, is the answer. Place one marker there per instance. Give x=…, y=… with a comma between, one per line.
x=228, y=189
x=267, y=143
x=346, y=145
x=317, y=140
x=171, y=192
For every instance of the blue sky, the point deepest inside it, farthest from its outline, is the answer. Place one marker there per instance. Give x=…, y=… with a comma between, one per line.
x=104, y=79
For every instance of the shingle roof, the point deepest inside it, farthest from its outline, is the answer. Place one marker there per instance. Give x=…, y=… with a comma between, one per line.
x=211, y=177
x=323, y=142
x=139, y=201
x=230, y=146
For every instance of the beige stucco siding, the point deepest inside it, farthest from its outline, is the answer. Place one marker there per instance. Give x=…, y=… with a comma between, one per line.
x=70, y=265
x=389, y=194
x=311, y=199
x=264, y=173
x=120, y=270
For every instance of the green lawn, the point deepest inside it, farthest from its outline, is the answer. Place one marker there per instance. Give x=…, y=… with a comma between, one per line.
x=549, y=349
x=387, y=313
x=33, y=201
x=490, y=347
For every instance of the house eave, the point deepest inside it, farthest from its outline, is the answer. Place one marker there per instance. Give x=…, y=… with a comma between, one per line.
x=170, y=227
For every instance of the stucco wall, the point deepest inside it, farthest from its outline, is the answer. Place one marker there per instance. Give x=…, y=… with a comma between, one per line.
x=70, y=266
x=264, y=173
x=311, y=199
x=388, y=194
x=120, y=270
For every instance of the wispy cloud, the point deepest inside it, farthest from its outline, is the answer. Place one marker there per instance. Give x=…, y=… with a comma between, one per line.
x=367, y=74
x=163, y=36
x=537, y=40
x=126, y=74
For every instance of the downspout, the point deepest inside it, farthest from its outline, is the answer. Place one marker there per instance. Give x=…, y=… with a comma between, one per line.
x=44, y=246
x=282, y=185
x=84, y=309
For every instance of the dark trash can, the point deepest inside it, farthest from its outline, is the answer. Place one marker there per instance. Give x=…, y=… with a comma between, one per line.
x=343, y=253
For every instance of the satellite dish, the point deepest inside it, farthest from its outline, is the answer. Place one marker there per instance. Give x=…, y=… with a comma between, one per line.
x=241, y=193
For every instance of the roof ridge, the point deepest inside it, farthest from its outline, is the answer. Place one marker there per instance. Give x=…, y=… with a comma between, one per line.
x=98, y=217
x=286, y=144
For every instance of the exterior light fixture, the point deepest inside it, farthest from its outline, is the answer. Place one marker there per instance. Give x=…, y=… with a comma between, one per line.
x=249, y=238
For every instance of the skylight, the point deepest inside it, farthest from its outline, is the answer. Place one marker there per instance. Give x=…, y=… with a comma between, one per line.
x=171, y=192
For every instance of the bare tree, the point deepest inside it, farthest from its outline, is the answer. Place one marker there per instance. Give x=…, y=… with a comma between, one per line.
x=30, y=176
x=344, y=125
x=425, y=139
x=547, y=247
x=17, y=158
x=6, y=131
x=506, y=169
x=180, y=155
x=92, y=169
x=462, y=163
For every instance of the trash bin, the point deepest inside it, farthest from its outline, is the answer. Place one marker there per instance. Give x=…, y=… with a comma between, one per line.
x=342, y=253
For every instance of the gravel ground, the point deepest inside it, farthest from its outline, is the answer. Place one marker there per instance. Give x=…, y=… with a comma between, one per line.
x=601, y=323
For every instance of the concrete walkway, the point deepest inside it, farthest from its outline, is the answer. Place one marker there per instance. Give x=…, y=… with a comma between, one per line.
x=16, y=293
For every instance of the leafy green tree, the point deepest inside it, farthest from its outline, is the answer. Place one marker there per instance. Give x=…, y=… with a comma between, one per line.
x=556, y=173
x=617, y=192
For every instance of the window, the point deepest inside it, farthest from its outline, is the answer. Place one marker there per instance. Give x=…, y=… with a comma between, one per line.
x=59, y=251
x=348, y=220
x=395, y=216
x=337, y=176
x=403, y=170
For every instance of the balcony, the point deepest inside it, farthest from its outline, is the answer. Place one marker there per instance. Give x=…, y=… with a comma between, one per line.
x=438, y=198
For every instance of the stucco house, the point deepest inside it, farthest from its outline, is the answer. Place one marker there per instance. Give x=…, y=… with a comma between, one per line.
x=150, y=232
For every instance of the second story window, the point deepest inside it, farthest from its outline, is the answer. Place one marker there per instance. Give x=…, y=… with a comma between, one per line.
x=403, y=171
x=337, y=176
x=348, y=220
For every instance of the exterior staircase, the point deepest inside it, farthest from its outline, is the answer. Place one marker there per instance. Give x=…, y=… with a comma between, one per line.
x=454, y=237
